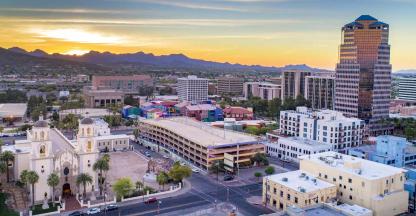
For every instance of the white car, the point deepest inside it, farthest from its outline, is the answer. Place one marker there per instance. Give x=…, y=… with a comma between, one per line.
x=165, y=156
x=92, y=211
x=195, y=170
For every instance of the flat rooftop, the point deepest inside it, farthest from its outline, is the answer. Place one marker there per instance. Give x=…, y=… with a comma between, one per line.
x=329, y=209
x=117, y=136
x=359, y=167
x=13, y=110
x=86, y=112
x=300, y=181
x=304, y=142
x=203, y=134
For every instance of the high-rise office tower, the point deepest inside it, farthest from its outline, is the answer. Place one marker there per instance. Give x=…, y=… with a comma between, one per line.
x=320, y=90
x=293, y=83
x=363, y=79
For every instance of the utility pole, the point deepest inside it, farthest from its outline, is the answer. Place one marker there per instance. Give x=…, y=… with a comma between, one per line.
x=228, y=194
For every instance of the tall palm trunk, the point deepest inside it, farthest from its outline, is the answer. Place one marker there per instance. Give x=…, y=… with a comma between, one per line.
x=101, y=182
x=7, y=171
x=33, y=195
x=85, y=189
x=53, y=196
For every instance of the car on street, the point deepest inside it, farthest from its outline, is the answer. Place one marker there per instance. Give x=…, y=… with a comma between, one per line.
x=93, y=211
x=76, y=213
x=165, y=156
x=111, y=207
x=195, y=170
x=228, y=178
x=151, y=200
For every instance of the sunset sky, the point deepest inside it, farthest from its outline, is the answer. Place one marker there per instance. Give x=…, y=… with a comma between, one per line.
x=266, y=32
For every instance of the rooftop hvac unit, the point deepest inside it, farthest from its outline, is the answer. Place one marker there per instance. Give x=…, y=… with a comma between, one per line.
x=285, y=179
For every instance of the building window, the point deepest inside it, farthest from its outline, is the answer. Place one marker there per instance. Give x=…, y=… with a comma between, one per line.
x=349, y=180
x=326, y=176
x=334, y=179
x=340, y=177
x=350, y=197
x=363, y=184
x=288, y=196
x=281, y=193
x=296, y=200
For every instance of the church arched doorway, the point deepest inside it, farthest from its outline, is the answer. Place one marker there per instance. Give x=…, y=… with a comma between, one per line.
x=66, y=190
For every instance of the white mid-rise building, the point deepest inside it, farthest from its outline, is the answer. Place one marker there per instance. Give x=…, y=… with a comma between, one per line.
x=373, y=185
x=290, y=148
x=263, y=90
x=325, y=126
x=192, y=89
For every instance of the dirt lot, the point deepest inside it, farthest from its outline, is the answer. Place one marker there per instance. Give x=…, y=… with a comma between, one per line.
x=126, y=164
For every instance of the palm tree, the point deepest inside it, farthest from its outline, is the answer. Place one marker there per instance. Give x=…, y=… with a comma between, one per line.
x=101, y=166
x=162, y=179
x=106, y=157
x=32, y=178
x=23, y=177
x=7, y=157
x=84, y=179
x=3, y=168
x=1, y=143
x=53, y=181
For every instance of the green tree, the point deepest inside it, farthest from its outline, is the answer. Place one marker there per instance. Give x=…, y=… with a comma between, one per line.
x=129, y=100
x=274, y=108
x=84, y=179
x=269, y=170
x=7, y=157
x=136, y=133
x=258, y=175
x=23, y=177
x=106, y=157
x=102, y=166
x=32, y=178
x=177, y=173
x=260, y=158
x=123, y=187
x=69, y=122
x=53, y=181
x=3, y=169
x=162, y=178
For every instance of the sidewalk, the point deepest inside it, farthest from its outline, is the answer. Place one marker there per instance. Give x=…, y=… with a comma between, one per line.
x=186, y=187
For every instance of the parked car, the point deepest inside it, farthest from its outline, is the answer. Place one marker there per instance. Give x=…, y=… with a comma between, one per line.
x=195, y=170
x=151, y=200
x=76, y=213
x=111, y=207
x=228, y=178
x=93, y=211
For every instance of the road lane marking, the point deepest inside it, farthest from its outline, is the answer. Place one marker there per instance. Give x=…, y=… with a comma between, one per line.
x=166, y=208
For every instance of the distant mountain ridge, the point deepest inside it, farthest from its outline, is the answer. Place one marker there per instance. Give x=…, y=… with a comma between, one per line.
x=166, y=61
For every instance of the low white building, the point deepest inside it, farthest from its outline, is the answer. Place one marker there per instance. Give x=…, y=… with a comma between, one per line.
x=290, y=148
x=325, y=126
x=263, y=90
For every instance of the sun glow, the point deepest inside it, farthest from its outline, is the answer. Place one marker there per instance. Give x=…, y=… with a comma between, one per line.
x=78, y=35
x=76, y=52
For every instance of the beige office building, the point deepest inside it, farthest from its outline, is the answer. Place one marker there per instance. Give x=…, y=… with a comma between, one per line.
x=366, y=183
x=293, y=83
x=198, y=143
x=230, y=86
x=263, y=90
x=299, y=188
x=95, y=98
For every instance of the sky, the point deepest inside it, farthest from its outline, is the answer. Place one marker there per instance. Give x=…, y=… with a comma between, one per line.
x=264, y=32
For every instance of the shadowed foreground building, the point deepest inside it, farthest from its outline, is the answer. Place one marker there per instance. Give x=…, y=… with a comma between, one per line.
x=363, y=81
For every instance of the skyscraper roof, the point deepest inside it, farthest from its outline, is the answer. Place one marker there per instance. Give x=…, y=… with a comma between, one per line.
x=366, y=18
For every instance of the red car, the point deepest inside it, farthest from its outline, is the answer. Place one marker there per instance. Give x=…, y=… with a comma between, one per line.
x=151, y=200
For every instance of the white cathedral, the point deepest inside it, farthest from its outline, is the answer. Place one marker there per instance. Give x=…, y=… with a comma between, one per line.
x=47, y=150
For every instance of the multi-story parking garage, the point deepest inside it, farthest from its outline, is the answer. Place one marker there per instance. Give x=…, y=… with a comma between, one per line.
x=199, y=143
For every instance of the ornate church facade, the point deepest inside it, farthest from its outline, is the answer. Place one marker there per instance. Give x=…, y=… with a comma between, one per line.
x=46, y=150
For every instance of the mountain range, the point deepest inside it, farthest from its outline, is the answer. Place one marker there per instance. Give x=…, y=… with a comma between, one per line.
x=105, y=60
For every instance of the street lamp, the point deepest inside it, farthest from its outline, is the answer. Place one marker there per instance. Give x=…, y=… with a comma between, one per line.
x=158, y=206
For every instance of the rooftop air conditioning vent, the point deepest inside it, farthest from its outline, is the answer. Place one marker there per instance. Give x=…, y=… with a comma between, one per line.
x=285, y=179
